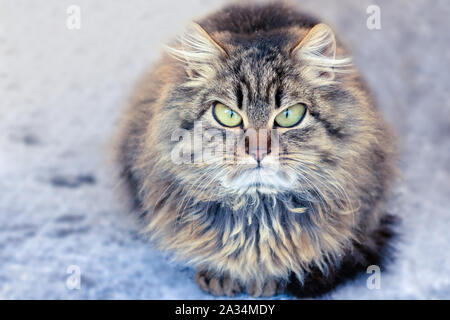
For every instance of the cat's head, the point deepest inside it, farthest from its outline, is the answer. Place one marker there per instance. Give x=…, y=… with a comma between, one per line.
x=279, y=109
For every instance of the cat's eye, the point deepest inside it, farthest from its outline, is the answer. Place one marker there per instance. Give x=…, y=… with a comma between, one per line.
x=225, y=115
x=291, y=116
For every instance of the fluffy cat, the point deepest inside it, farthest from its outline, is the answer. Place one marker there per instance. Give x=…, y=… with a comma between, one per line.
x=303, y=218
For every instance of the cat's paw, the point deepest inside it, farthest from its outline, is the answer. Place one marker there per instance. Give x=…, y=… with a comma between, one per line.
x=270, y=288
x=223, y=285
x=217, y=285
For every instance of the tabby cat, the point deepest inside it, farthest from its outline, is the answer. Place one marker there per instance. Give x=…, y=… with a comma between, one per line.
x=298, y=204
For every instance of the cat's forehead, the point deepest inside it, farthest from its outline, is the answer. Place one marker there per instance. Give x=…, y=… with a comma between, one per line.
x=259, y=74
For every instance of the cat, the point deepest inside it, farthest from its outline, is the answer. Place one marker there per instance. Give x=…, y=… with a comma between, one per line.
x=301, y=219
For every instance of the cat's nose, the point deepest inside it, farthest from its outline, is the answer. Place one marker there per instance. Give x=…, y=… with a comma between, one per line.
x=258, y=153
x=259, y=146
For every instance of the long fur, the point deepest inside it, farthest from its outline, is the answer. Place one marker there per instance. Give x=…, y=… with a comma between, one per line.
x=340, y=162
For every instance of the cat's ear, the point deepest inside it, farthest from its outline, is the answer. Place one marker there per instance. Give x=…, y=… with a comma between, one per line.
x=317, y=53
x=200, y=52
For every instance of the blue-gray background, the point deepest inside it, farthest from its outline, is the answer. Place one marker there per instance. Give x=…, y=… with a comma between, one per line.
x=60, y=96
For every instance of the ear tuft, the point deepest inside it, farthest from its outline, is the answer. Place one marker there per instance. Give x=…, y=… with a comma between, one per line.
x=317, y=52
x=199, y=51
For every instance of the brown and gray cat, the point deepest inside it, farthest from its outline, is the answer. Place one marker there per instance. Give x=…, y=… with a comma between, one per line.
x=302, y=218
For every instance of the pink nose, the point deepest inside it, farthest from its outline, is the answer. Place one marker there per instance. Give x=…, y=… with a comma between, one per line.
x=260, y=148
x=258, y=153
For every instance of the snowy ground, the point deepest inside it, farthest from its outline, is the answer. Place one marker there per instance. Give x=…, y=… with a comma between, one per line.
x=61, y=92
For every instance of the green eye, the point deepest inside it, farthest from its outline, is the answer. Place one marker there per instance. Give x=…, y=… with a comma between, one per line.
x=226, y=116
x=291, y=116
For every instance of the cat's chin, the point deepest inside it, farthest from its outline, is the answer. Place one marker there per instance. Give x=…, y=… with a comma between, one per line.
x=259, y=179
